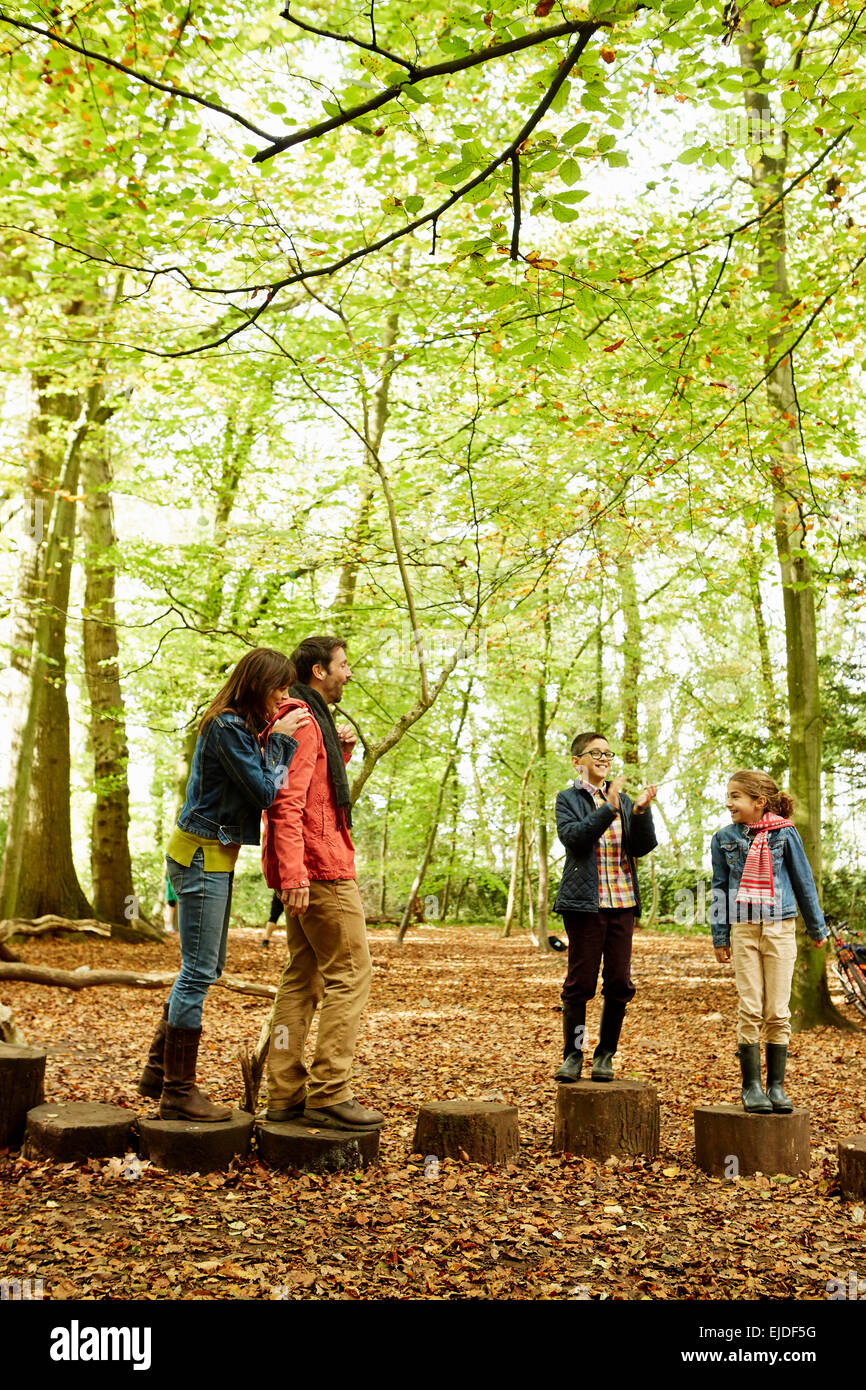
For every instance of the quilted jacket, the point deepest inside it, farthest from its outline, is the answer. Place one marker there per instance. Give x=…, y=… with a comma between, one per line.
x=304, y=840
x=579, y=824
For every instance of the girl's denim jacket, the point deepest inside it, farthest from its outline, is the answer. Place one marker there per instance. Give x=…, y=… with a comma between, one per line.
x=793, y=884
x=232, y=780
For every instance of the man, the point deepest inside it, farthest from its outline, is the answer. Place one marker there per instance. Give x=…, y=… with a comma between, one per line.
x=598, y=898
x=309, y=859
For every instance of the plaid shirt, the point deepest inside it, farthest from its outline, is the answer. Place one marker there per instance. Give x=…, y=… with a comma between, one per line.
x=615, y=888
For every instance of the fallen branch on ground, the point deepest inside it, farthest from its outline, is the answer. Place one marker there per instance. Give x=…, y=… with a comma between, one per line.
x=85, y=978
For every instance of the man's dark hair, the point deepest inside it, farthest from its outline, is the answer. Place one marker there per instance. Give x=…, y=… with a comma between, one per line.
x=579, y=742
x=314, y=651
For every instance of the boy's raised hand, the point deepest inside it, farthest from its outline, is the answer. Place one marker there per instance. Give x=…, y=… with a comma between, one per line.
x=646, y=796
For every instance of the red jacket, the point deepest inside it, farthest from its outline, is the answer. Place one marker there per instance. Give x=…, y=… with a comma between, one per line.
x=303, y=837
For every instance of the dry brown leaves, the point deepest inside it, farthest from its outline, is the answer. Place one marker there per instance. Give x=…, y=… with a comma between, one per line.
x=454, y=1013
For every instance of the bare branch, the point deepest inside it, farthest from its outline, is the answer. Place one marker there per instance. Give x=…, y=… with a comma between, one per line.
x=585, y=28
x=373, y=47
x=133, y=73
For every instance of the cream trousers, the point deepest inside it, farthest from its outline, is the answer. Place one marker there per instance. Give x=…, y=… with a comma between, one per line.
x=764, y=954
x=328, y=963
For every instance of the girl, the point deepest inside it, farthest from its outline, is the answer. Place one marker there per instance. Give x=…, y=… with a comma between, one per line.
x=231, y=781
x=760, y=877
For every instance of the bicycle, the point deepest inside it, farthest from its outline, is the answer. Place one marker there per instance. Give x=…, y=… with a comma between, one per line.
x=850, y=966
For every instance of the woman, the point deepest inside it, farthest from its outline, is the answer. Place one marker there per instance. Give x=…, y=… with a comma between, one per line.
x=231, y=781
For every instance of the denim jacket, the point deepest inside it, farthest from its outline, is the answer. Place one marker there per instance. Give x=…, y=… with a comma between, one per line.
x=793, y=884
x=579, y=824
x=232, y=780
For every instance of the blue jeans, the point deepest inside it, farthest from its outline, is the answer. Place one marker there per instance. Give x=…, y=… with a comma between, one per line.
x=203, y=903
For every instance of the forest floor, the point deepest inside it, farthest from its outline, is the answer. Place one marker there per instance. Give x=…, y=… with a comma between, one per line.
x=454, y=1013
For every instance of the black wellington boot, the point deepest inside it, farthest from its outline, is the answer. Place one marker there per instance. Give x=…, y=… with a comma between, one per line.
x=612, y=1015
x=755, y=1102
x=777, y=1056
x=573, y=1029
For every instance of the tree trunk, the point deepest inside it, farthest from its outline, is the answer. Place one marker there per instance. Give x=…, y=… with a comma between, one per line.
x=772, y=714
x=383, y=850
x=516, y=860
x=810, y=1000
x=113, y=897
x=452, y=850
x=544, y=945
x=39, y=831
x=598, y=712
x=434, y=824
x=52, y=413
x=375, y=420
x=631, y=673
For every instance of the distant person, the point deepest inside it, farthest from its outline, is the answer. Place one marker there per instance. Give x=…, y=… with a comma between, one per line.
x=231, y=781
x=599, y=898
x=760, y=877
x=273, y=920
x=169, y=911
x=309, y=859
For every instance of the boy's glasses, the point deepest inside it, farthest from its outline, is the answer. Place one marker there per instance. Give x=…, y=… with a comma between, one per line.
x=598, y=756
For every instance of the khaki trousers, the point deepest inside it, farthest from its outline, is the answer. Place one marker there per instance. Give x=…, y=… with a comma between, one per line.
x=328, y=963
x=764, y=954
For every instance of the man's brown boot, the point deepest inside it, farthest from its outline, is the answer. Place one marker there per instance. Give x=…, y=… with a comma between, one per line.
x=150, y=1084
x=348, y=1114
x=181, y=1099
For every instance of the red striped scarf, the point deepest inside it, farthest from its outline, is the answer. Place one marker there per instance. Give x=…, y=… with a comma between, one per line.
x=756, y=885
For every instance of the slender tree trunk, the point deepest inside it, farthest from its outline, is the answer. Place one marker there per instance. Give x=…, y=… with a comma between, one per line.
x=434, y=824
x=452, y=850
x=598, y=712
x=631, y=670
x=383, y=849
x=375, y=420
x=516, y=862
x=541, y=752
x=109, y=854
x=518, y=852
x=528, y=848
x=810, y=1000
x=772, y=712
x=38, y=874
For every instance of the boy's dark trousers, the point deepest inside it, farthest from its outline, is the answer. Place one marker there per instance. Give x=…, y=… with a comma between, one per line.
x=604, y=935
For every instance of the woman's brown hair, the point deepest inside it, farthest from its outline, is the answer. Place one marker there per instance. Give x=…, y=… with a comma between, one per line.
x=760, y=784
x=254, y=677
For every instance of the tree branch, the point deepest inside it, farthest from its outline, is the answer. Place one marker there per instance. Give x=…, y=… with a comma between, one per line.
x=586, y=29
x=373, y=47
x=138, y=76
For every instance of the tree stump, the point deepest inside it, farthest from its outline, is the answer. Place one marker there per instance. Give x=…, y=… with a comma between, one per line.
x=852, y=1166
x=70, y=1133
x=479, y=1131
x=183, y=1146
x=729, y=1143
x=600, y=1120
x=22, y=1085
x=298, y=1145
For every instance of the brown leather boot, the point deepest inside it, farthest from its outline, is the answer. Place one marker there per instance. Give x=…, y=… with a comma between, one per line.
x=181, y=1098
x=150, y=1084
